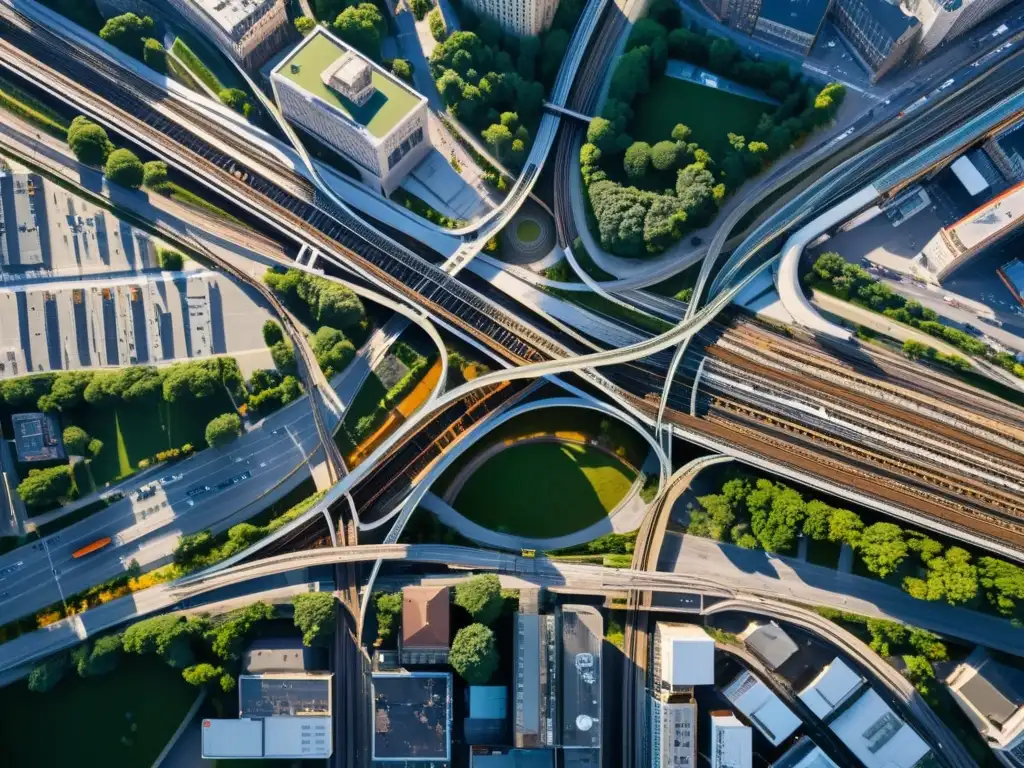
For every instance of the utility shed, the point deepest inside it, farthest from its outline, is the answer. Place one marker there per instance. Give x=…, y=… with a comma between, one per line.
x=969, y=176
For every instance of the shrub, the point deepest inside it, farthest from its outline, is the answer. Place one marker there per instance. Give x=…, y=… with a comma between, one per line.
x=223, y=429
x=438, y=30
x=236, y=99
x=154, y=55
x=154, y=174
x=76, y=441
x=402, y=69
x=304, y=25
x=88, y=141
x=315, y=615
x=421, y=8
x=124, y=167
x=45, y=487
x=127, y=32
x=170, y=260
x=272, y=333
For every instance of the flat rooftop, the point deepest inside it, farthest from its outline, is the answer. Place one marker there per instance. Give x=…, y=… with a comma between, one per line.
x=412, y=716
x=385, y=109
x=803, y=15
x=1000, y=213
x=37, y=437
x=273, y=695
x=230, y=13
x=582, y=638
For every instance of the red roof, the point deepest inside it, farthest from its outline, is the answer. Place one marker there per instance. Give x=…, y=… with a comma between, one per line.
x=425, y=617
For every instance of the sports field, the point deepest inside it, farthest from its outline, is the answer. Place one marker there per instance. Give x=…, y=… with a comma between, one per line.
x=710, y=114
x=544, y=489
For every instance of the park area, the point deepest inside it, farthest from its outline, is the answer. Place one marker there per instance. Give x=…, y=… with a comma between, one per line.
x=123, y=718
x=544, y=489
x=710, y=114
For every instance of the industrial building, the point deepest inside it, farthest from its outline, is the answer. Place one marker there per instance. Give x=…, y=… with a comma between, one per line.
x=251, y=31
x=759, y=704
x=876, y=735
x=834, y=686
x=768, y=642
x=684, y=656
x=582, y=630
x=673, y=734
x=21, y=231
x=791, y=24
x=536, y=679
x=356, y=108
x=731, y=744
x=525, y=18
x=425, y=625
x=992, y=696
x=412, y=717
x=804, y=754
x=955, y=245
x=880, y=33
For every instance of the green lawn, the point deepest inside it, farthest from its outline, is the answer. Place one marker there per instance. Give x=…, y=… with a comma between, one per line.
x=528, y=231
x=711, y=114
x=544, y=489
x=123, y=719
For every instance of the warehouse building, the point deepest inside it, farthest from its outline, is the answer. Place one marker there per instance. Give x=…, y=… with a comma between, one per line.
x=791, y=24
x=582, y=630
x=525, y=18
x=833, y=687
x=356, y=108
x=992, y=696
x=731, y=743
x=412, y=717
x=876, y=735
x=250, y=30
x=880, y=33
x=804, y=754
x=768, y=642
x=762, y=707
x=536, y=670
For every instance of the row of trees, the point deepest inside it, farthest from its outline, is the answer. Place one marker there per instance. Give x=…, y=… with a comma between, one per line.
x=834, y=274
x=322, y=301
x=646, y=218
x=763, y=514
x=207, y=651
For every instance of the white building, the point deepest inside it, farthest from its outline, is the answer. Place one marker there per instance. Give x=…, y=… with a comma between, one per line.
x=762, y=707
x=804, y=754
x=944, y=20
x=250, y=30
x=673, y=734
x=731, y=742
x=833, y=686
x=684, y=656
x=353, y=106
x=877, y=736
x=521, y=17
x=992, y=696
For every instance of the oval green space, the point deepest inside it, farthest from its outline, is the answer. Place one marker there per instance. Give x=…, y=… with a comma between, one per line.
x=544, y=489
x=527, y=231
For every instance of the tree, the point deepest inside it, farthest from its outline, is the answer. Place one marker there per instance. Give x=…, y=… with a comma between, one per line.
x=127, y=32
x=664, y=156
x=497, y=136
x=637, y=159
x=883, y=547
x=925, y=547
x=316, y=615
x=66, y=391
x=1003, y=583
x=776, y=513
x=170, y=260
x=389, y=606
x=154, y=174
x=450, y=86
x=817, y=515
x=632, y=75
x=602, y=135
x=223, y=429
x=480, y=597
x=915, y=350
x=46, y=674
x=229, y=636
x=283, y=355
x=844, y=527
x=190, y=381
x=97, y=658
x=154, y=55
x=666, y=13
x=88, y=141
x=236, y=99
x=333, y=351
x=76, y=440
x=421, y=8
x=304, y=25
x=201, y=674
x=170, y=637
x=553, y=49
x=45, y=487
x=435, y=21
x=722, y=53
x=473, y=654
x=124, y=168
x=646, y=32
x=191, y=547
x=362, y=26
x=920, y=672
x=952, y=576
x=681, y=132
x=402, y=69
x=928, y=644
x=272, y=333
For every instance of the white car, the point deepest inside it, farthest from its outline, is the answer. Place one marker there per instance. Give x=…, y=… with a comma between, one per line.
x=168, y=479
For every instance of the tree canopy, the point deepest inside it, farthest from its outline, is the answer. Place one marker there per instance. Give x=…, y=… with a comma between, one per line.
x=124, y=167
x=45, y=487
x=473, y=654
x=480, y=596
x=88, y=141
x=127, y=32
x=236, y=99
x=362, y=26
x=223, y=429
x=316, y=616
x=882, y=547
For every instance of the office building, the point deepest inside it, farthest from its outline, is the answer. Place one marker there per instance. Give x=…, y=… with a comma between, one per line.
x=520, y=17
x=354, y=107
x=835, y=685
x=536, y=679
x=250, y=30
x=741, y=14
x=759, y=704
x=412, y=717
x=731, y=744
x=804, y=754
x=769, y=643
x=684, y=656
x=880, y=33
x=673, y=734
x=791, y=24
x=946, y=20
x=425, y=625
x=876, y=735
x=992, y=696
x=974, y=12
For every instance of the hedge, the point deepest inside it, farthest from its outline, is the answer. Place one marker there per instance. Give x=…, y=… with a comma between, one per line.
x=196, y=66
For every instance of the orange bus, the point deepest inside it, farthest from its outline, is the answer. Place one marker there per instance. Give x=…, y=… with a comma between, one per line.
x=90, y=548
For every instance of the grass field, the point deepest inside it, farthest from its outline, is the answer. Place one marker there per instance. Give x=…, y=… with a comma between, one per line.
x=124, y=718
x=711, y=114
x=544, y=489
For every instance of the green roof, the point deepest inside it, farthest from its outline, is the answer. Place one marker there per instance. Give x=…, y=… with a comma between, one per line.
x=379, y=115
